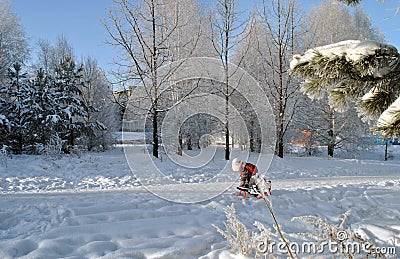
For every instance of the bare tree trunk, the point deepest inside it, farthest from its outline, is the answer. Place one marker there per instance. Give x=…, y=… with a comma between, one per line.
x=251, y=136
x=386, y=149
x=71, y=141
x=180, y=143
x=280, y=137
x=310, y=140
x=155, y=133
x=278, y=20
x=331, y=146
x=155, y=86
x=223, y=30
x=331, y=133
x=280, y=71
x=227, y=151
x=189, y=143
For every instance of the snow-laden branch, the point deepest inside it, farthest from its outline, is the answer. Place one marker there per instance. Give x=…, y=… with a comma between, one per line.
x=355, y=52
x=367, y=70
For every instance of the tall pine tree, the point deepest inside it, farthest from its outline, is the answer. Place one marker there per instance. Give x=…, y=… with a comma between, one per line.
x=70, y=107
x=43, y=112
x=17, y=108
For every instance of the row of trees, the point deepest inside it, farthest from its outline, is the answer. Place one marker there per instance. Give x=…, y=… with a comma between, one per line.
x=281, y=31
x=153, y=33
x=56, y=101
x=59, y=98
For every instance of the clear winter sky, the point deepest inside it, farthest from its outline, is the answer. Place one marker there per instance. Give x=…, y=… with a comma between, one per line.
x=80, y=22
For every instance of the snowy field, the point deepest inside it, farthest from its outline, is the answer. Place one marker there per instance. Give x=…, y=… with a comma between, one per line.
x=91, y=206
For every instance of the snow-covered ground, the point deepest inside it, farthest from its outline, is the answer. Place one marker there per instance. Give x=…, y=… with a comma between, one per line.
x=91, y=206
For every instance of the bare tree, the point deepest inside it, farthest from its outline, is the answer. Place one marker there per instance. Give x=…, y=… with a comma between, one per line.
x=49, y=56
x=226, y=32
x=350, y=2
x=185, y=41
x=146, y=32
x=44, y=57
x=13, y=42
x=279, y=32
x=324, y=125
x=100, y=117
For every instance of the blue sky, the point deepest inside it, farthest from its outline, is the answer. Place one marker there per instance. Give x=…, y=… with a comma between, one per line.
x=80, y=22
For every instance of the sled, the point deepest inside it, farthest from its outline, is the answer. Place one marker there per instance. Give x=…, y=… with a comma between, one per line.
x=254, y=191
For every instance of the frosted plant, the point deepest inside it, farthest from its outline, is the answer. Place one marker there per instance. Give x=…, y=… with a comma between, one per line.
x=244, y=241
x=346, y=239
x=262, y=240
x=236, y=233
x=53, y=150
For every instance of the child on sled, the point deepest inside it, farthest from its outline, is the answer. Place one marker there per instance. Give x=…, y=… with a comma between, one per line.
x=248, y=178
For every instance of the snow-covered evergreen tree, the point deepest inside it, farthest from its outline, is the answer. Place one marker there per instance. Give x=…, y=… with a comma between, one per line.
x=28, y=110
x=17, y=108
x=13, y=50
x=70, y=107
x=80, y=93
x=37, y=110
x=4, y=122
x=43, y=109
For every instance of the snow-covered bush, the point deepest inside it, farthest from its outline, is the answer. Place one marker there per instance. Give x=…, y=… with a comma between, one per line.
x=52, y=150
x=77, y=150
